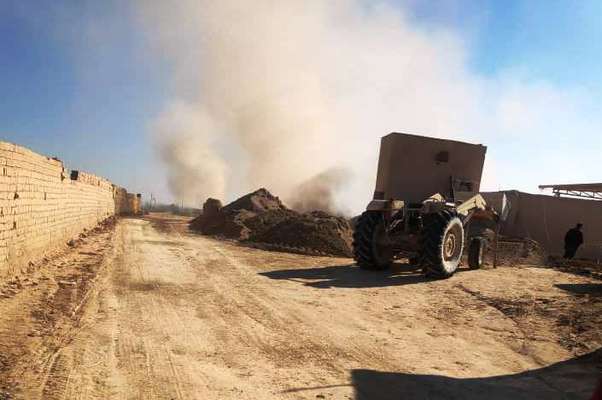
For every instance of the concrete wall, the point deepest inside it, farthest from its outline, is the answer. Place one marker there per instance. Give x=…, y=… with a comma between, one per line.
x=412, y=168
x=42, y=207
x=547, y=218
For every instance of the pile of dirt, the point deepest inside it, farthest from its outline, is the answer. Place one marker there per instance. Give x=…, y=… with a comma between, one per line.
x=210, y=220
x=314, y=232
x=260, y=217
x=515, y=251
x=258, y=201
x=231, y=221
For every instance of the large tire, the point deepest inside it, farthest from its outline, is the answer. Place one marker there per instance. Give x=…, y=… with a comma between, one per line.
x=476, y=252
x=371, y=247
x=442, y=244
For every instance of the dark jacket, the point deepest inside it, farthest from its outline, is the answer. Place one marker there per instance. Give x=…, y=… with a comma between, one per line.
x=573, y=238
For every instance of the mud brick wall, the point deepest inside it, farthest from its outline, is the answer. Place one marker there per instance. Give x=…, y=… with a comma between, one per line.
x=546, y=219
x=133, y=203
x=127, y=203
x=121, y=201
x=42, y=205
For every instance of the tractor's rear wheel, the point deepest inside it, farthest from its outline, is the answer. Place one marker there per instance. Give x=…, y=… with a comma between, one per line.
x=442, y=243
x=476, y=252
x=372, y=247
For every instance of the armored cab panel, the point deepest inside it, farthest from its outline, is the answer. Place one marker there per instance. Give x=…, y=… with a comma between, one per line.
x=412, y=168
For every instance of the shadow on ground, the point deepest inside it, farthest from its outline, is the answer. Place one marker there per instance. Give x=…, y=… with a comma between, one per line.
x=351, y=276
x=592, y=289
x=573, y=379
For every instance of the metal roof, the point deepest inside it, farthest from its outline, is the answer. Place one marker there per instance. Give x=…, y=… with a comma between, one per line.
x=584, y=190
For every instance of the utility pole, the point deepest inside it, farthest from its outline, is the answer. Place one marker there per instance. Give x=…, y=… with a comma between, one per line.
x=153, y=202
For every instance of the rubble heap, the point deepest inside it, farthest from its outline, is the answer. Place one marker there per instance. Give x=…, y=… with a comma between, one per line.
x=260, y=217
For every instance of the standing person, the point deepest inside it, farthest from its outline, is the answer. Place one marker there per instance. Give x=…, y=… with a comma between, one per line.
x=572, y=240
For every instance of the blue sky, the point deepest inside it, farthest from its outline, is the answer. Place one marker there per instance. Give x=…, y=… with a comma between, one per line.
x=79, y=80
x=557, y=41
x=77, y=93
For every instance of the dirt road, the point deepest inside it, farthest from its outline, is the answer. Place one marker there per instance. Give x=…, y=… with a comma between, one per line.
x=146, y=310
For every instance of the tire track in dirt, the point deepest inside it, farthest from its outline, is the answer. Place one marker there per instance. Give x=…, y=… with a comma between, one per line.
x=178, y=316
x=137, y=347
x=47, y=314
x=287, y=321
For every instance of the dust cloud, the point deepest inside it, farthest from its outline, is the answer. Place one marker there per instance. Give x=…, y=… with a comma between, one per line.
x=317, y=193
x=183, y=137
x=275, y=94
x=289, y=90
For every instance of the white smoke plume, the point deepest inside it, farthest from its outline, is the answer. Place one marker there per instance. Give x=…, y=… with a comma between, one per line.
x=283, y=90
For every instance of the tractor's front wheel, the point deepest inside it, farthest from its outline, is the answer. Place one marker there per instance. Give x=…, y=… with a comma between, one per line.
x=372, y=247
x=442, y=244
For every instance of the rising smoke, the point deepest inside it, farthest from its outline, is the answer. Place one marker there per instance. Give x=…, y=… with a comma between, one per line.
x=184, y=140
x=284, y=91
x=317, y=193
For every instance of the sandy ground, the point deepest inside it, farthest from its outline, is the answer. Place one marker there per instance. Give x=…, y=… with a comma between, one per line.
x=146, y=310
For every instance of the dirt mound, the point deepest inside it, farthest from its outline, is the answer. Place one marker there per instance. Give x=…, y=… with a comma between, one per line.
x=258, y=201
x=211, y=219
x=260, y=217
x=212, y=207
x=315, y=232
x=262, y=222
